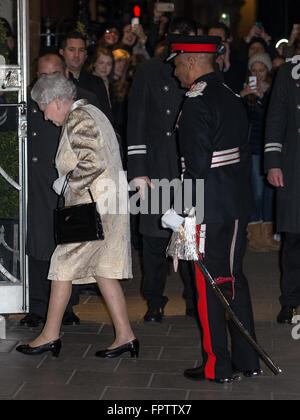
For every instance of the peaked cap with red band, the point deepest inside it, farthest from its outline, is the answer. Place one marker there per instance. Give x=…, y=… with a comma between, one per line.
x=182, y=44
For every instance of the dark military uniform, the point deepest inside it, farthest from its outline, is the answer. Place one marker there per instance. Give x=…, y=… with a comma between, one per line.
x=154, y=106
x=282, y=150
x=43, y=138
x=213, y=132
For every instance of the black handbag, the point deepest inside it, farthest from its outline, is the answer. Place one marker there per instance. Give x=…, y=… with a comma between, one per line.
x=73, y=224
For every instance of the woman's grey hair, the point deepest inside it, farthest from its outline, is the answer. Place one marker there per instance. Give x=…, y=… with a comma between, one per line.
x=53, y=86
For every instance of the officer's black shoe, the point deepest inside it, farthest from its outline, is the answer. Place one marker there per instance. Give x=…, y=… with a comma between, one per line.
x=198, y=374
x=154, y=315
x=191, y=312
x=286, y=315
x=32, y=321
x=70, y=319
x=254, y=373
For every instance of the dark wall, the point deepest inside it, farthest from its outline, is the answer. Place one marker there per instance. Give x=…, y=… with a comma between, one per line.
x=278, y=16
x=58, y=9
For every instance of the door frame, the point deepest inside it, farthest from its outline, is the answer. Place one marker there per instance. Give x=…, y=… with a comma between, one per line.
x=14, y=296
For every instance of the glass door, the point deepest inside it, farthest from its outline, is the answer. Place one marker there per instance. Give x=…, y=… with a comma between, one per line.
x=13, y=157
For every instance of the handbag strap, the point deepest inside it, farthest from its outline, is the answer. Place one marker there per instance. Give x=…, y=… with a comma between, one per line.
x=61, y=196
x=66, y=183
x=91, y=195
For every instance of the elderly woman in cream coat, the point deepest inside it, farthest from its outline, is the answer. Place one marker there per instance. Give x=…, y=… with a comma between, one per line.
x=88, y=147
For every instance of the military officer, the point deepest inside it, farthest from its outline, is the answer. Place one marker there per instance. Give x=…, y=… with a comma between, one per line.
x=213, y=133
x=282, y=155
x=154, y=105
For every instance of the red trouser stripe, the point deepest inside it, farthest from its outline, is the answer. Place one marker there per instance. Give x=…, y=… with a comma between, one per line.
x=203, y=315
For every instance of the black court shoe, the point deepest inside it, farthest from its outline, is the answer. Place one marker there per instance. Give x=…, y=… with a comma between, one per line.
x=54, y=347
x=133, y=347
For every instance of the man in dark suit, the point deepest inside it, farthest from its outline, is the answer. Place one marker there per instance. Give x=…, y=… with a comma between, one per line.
x=74, y=51
x=43, y=138
x=154, y=106
x=216, y=150
x=282, y=155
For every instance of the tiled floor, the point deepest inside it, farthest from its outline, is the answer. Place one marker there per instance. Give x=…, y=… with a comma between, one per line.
x=166, y=351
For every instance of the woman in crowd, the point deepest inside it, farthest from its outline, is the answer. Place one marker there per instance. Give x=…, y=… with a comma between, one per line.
x=256, y=96
x=121, y=62
x=119, y=94
x=134, y=40
x=102, y=65
x=111, y=37
x=89, y=149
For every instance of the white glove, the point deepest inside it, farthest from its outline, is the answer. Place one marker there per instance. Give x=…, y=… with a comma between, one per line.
x=59, y=184
x=141, y=185
x=172, y=220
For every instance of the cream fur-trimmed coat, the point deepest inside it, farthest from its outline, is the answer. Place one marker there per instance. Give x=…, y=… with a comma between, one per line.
x=88, y=146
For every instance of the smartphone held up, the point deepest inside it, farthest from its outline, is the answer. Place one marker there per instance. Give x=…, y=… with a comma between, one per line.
x=253, y=82
x=165, y=7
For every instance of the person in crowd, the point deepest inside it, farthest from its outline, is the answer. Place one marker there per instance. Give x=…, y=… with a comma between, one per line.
x=154, y=104
x=230, y=67
x=216, y=151
x=297, y=48
x=281, y=164
x=111, y=37
x=134, y=40
x=257, y=46
x=121, y=62
x=276, y=63
x=119, y=92
x=201, y=30
x=43, y=138
x=256, y=34
x=102, y=65
x=290, y=49
x=7, y=44
x=257, y=41
x=89, y=153
x=158, y=30
x=161, y=48
x=74, y=51
x=221, y=30
x=261, y=228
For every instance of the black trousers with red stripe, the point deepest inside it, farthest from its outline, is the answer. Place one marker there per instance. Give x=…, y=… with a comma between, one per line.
x=223, y=247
